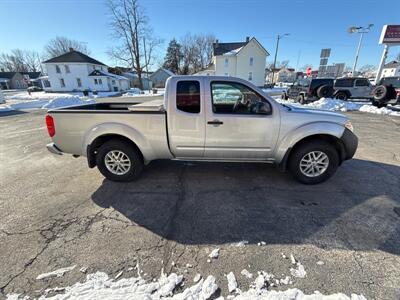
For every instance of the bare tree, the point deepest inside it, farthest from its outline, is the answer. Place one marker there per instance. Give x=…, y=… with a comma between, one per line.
x=61, y=45
x=197, y=52
x=130, y=27
x=20, y=61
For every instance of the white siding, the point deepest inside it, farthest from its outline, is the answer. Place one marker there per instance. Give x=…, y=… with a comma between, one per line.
x=258, y=67
x=221, y=69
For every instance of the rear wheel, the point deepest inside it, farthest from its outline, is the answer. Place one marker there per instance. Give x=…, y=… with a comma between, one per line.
x=341, y=96
x=284, y=96
x=313, y=162
x=119, y=161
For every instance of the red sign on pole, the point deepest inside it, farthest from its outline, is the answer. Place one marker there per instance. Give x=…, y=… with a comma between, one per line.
x=390, y=34
x=308, y=71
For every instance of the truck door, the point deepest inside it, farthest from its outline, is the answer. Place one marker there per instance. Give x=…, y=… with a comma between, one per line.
x=186, y=118
x=240, y=123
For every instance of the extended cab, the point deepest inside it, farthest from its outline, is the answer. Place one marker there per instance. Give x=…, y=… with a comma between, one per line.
x=205, y=118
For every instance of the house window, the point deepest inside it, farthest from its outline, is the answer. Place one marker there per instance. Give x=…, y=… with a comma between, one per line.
x=62, y=82
x=79, y=82
x=226, y=62
x=58, y=70
x=100, y=81
x=67, y=69
x=94, y=67
x=250, y=76
x=226, y=74
x=95, y=81
x=113, y=81
x=251, y=61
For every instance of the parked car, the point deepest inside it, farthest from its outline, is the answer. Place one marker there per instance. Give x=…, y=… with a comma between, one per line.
x=305, y=90
x=352, y=87
x=35, y=88
x=2, y=99
x=387, y=91
x=209, y=118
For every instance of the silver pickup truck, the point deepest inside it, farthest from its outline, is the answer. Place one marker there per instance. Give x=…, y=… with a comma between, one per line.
x=203, y=118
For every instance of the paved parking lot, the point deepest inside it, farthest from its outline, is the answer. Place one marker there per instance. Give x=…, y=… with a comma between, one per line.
x=55, y=212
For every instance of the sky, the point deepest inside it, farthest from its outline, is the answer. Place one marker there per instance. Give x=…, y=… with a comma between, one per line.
x=312, y=25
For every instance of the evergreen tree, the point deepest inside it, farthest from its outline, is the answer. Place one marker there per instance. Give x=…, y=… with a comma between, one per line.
x=172, y=60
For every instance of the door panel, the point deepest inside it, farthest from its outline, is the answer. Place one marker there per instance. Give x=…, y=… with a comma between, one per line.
x=237, y=132
x=186, y=118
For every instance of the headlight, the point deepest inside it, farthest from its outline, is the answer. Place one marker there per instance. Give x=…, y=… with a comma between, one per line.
x=349, y=126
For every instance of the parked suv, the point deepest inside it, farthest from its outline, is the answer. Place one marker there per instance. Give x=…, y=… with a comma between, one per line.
x=352, y=87
x=304, y=90
x=387, y=91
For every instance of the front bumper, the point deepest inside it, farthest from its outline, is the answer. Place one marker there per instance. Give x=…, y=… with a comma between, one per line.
x=350, y=143
x=53, y=149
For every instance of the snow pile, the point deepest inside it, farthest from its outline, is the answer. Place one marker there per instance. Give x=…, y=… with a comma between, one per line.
x=66, y=101
x=214, y=254
x=339, y=105
x=6, y=108
x=100, y=286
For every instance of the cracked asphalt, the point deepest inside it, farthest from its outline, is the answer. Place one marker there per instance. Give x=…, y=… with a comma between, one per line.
x=55, y=212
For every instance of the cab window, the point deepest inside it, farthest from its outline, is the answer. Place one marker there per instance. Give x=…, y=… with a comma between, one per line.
x=362, y=82
x=236, y=98
x=188, y=96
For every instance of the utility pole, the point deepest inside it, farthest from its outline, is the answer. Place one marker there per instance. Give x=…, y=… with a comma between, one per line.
x=276, y=53
x=360, y=30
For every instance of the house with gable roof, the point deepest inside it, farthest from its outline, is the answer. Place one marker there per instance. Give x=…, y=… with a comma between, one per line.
x=76, y=71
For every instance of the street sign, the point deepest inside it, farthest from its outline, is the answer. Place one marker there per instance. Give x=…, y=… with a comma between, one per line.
x=390, y=34
x=325, y=53
x=308, y=71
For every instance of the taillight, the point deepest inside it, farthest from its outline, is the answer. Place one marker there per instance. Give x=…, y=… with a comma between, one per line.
x=51, y=129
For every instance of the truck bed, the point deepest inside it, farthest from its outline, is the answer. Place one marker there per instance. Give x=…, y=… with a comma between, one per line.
x=76, y=124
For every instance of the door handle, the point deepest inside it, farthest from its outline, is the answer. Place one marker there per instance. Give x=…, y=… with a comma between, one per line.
x=215, y=122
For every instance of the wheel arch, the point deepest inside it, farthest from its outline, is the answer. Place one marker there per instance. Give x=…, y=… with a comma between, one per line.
x=93, y=147
x=347, y=92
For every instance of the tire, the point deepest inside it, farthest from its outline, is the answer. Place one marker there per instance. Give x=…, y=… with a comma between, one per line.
x=109, y=150
x=325, y=91
x=378, y=104
x=300, y=99
x=284, y=96
x=341, y=96
x=300, y=154
x=380, y=93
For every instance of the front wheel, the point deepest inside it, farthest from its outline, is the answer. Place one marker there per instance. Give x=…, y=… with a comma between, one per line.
x=300, y=99
x=119, y=161
x=341, y=96
x=313, y=162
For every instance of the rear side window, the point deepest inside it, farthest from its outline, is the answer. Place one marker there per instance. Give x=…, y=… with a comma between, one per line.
x=346, y=82
x=394, y=81
x=188, y=96
x=362, y=82
x=319, y=82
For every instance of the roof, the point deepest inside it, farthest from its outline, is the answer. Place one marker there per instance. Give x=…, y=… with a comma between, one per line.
x=107, y=74
x=234, y=48
x=7, y=75
x=32, y=75
x=74, y=56
x=162, y=70
x=392, y=64
x=222, y=48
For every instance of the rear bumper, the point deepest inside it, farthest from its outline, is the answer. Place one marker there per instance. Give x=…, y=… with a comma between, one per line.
x=53, y=149
x=350, y=143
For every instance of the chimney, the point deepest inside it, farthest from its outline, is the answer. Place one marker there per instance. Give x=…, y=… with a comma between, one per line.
x=247, y=39
x=71, y=49
x=216, y=43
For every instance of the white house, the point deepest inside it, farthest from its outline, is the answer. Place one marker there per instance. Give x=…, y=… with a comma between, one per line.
x=391, y=69
x=245, y=60
x=75, y=71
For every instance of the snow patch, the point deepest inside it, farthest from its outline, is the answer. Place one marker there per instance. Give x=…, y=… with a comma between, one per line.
x=246, y=274
x=299, y=272
x=214, y=254
x=56, y=273
x=66, y=101
x=232, y=283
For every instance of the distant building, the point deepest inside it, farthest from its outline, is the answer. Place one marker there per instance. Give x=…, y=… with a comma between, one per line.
x=12, y=80
x=134, y=79
x=75, y=71
x=245, y=60
x=390, y=69
x=159, y=77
